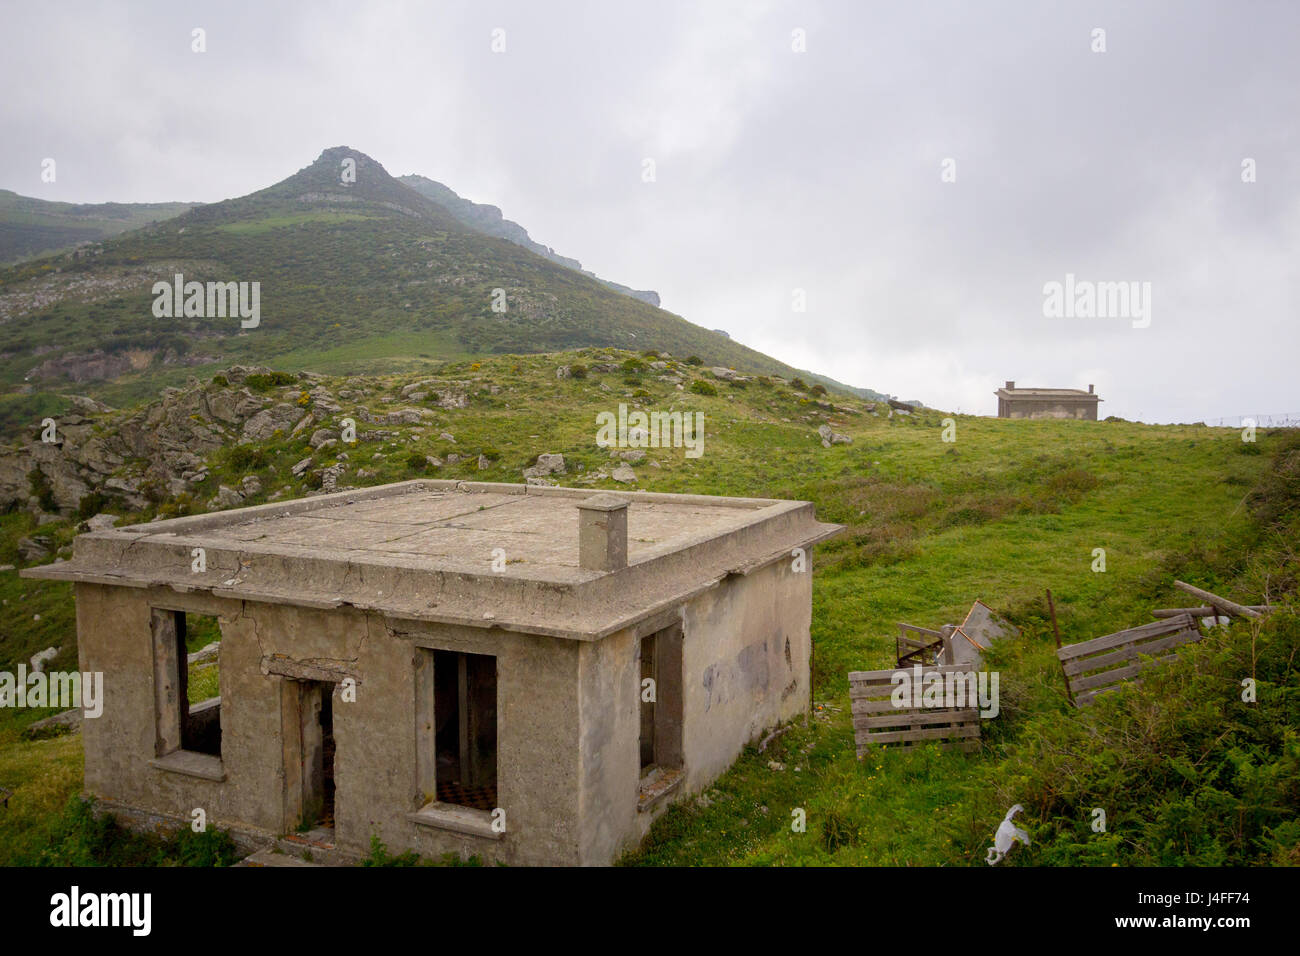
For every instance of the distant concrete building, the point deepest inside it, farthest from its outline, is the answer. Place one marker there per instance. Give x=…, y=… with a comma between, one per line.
x=1046, y=402
x=528, y=674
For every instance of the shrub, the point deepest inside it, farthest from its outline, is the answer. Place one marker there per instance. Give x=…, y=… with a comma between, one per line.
x=379, y=855
x=578, y=371
x=701, y=387
x=80, y=837
x=244, y=458
x=818, y=389
x=41, y=488
x=263, y=383
x=220, y=380
x=632, y=366
x=799, y=384
x=694, y=360
x=182, y=504
x=838, y=831
x=1209, y=782
x=91, y=505
x=1072, y=484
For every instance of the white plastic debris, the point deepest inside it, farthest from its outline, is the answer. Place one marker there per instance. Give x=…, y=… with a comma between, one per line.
x=41, y=658
x=1006, y=837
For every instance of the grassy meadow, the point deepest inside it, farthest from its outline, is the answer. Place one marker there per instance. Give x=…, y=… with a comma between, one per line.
x=1002, y=512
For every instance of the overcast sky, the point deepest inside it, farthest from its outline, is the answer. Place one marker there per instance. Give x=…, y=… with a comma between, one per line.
x=774, y=170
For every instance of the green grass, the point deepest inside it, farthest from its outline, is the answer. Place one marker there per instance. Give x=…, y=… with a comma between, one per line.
x=257, y=227
x=31, y=227
x=1008, y=510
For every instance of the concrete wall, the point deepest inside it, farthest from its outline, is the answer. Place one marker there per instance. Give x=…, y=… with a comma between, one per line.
x=747, y=664
x=746, y=647
x=114, y=637
x=1047, y=408
x=537, y=748
x=568, y=718
x=375, y=763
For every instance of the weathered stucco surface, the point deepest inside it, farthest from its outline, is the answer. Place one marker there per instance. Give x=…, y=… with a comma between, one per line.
x=568, y=676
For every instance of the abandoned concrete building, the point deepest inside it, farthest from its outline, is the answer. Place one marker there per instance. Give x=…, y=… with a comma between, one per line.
x=1047, y=402
x=527, y=674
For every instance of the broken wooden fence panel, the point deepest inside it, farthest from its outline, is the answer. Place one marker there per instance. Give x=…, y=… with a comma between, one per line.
x=923, y=649
x=1106, y=663
x=1202, y=611
x=1230, y=608
x=877, y=721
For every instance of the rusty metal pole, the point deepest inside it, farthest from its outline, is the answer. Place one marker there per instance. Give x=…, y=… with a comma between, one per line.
x=1056, y=632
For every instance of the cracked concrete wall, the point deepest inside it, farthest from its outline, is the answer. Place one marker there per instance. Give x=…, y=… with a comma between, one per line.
x=537, y=747
x=114, y=637
x=568, y=725
x=745, y=647
x=611, y=758
x=376, y=740
x=746, y=659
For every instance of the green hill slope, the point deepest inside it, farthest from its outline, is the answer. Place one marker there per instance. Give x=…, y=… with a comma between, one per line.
x=1188, y=774
x=354, y=277
x=33, y=227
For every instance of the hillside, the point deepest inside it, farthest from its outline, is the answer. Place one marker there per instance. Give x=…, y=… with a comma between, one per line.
x=355, y=277
x=1008, y=509
x=33, y=227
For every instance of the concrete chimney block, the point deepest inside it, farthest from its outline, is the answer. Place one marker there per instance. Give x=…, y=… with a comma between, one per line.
x=602, y=533
x=1011, y=385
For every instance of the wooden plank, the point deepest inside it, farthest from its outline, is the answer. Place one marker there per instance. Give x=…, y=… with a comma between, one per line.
x=1231, y=608
x=1203, y=611
x=1089, y=696
x=1086, y=664
x=965, y=746
x=904, y=628
x=1127, y=636
x=1056, y=632
x=933, y=733
x=884, y=677
x=1116, y=675
x=885, y=707
x=885, y=696
x=170, y=677
x=1175, y=611
x=859, y=707
x=462, y=719
x=1154, y=629
x=934, y=717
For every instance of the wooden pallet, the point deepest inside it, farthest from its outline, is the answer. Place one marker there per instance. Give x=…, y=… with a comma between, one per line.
x=877, y=722
x=917, y=645
x=1107, y=663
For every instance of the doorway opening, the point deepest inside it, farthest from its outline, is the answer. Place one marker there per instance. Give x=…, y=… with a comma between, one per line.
x=465, y=717
x=317, y=713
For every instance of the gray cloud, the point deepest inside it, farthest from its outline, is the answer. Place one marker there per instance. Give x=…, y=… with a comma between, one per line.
x=775, y=170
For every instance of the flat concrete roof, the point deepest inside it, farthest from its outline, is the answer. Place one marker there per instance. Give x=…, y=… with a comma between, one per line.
x=1047, y=393
x=424, y=550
